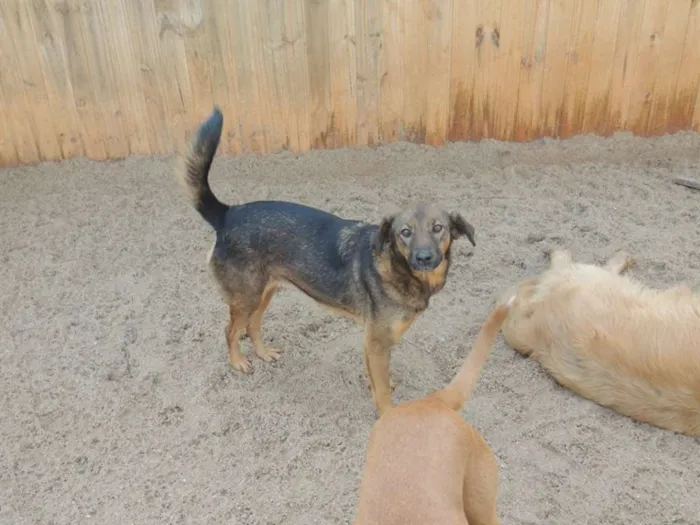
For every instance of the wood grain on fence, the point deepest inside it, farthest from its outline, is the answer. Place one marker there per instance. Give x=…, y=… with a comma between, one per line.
x=109, y=78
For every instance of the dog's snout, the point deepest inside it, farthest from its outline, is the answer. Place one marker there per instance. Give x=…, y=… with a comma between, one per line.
x=424, y=256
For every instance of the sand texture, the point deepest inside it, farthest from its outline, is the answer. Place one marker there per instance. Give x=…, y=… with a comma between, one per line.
x=118, y=405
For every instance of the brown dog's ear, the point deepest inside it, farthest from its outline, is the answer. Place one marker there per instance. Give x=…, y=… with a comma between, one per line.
x=383, y=234
x=459, y=227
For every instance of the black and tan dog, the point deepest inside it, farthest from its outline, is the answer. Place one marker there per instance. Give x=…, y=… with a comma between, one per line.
x=381, y=276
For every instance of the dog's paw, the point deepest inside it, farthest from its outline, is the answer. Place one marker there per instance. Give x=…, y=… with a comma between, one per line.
x=621, y=262
x=627, y=260
x=559, y=257
x=242, y=365
x=268, y=354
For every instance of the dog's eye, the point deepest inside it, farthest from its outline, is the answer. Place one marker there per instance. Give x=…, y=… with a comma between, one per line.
x=437, y=228
x=406, y=233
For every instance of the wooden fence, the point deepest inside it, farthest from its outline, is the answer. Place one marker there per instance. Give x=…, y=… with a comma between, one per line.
x=106, y=78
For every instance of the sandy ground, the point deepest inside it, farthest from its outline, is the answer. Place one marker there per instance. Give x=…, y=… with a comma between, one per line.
x=118, y=405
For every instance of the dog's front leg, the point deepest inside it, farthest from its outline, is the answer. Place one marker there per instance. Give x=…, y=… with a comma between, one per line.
x=378, y=344
x=619, y=263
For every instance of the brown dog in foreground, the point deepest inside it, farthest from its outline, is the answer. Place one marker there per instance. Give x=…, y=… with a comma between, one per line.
x=425, y=464
x=612, y=340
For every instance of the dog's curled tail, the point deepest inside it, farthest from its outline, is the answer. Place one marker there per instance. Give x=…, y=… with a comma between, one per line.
x=458, y=391
x=194, y=173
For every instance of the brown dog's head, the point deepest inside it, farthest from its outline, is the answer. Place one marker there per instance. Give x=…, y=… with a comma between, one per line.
x=422, y=236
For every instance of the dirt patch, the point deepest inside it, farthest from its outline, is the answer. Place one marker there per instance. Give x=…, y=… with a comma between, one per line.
x=118, y=405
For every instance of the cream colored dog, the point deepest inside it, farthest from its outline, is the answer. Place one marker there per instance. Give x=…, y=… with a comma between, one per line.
x=425, y=465
x=612, y=340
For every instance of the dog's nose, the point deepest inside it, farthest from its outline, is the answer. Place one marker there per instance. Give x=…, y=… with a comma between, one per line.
x=424, y=256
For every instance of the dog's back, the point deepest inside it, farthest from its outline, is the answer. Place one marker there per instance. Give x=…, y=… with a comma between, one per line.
x=425, y=464
x=614, y=341
x=416, y=461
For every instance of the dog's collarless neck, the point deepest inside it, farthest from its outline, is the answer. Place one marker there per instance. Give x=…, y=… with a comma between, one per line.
x=416, y=293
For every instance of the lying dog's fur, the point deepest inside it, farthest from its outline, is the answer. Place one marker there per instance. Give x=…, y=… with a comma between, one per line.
x=612, y=340
x=381, y=276
x=425, y=464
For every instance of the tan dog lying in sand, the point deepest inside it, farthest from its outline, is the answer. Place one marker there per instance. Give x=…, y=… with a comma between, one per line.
x=425, y=465
x=612, y=340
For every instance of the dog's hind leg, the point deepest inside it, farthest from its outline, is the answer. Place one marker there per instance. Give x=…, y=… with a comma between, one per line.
x=255, y=325
x=481, y=484
x=238, y=320
x=242, y=286
x=619, y=263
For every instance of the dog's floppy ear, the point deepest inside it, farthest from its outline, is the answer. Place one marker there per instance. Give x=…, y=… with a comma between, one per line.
x=383, y=234
x=459, y=227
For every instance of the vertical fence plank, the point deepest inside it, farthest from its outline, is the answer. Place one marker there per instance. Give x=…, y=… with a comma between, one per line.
x=648, y=54
x=391, y=72
x=248, y=79
x=18, y=108
x=579, y=66
x=198, y=57
x=21, y=31
x=132, y=107
x=100, y=71
x=489, y=16
x=139, y=26
x=295, y=65
x=67, y=19
x=8, y=153
x=273, y=123
x=506, y=76
x=415, y=67
x=343, y=71
x=668, y=63
x=298, y=69
x=291, y=74
x=224, y=87
x=369, y=38
x=173, y=58
x=686, y=103
x=54, y=65
x=600, y=75
x=229, y=98
x=530, y=88
x=462, y=68
x=438, y=15
x=625, y=63
x=532, y=69
x=317, y=38
x=278, y=42
x=280, y=125
x=558, y=39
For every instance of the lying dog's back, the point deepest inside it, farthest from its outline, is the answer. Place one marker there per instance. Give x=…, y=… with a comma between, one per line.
x=425, y=464
x=614, y=341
